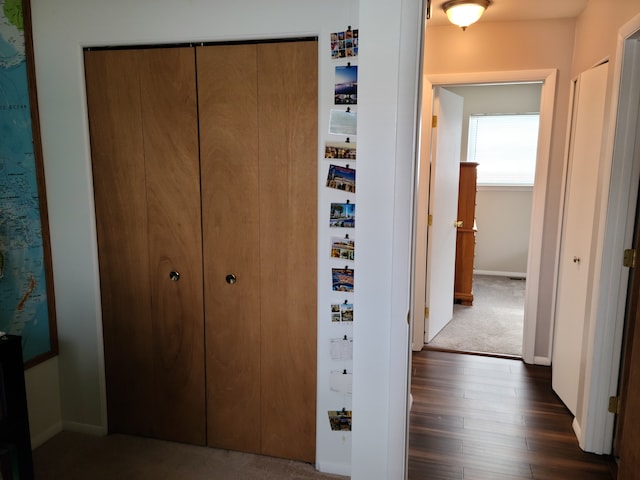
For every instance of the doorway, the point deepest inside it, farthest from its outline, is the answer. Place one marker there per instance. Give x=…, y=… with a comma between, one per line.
x=545, y=81
x=499, y=135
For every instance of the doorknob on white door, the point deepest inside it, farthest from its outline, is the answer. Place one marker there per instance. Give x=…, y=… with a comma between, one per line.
x=576, y=260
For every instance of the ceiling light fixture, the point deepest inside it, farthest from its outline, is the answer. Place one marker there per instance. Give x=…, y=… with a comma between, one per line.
x=465, y=12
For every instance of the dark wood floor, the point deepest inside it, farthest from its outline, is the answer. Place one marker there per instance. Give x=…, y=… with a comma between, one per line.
x=485, y=418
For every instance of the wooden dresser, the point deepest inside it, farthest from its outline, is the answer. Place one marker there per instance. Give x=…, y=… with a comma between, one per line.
x=466, y=235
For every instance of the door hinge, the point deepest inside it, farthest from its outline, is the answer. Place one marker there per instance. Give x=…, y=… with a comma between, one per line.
x=434, y=121
x=629, y=259
x=613, y=404
x=426, y=312
x=430, y=220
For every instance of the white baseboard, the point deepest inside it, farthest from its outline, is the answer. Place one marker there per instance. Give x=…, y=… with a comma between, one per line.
x=546, y=361
x=578, y=431
x=496, y=273
x=334, y=468
x=48, y=434
x=97, y=430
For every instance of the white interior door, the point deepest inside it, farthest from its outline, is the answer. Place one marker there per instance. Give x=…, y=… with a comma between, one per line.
x=443, y=209
x=577, y=233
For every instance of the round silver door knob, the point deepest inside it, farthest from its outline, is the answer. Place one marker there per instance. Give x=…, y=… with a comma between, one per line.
x=174, y=276
x=231, y=279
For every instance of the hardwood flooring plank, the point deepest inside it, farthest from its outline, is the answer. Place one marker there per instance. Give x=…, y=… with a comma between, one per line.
x=420, y=469
x=480, y=418
x=475, y=474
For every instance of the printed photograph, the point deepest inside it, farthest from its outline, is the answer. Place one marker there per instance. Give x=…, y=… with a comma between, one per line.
x=340, y=420
x=343, y=248
x=342, y=279
x=346, y=85
x=340, y=150
x=346, y=312
x=344, y=44
x=336, y=315
x=342, y=178
x=343, y=122
x=342, y=215
x=342, y=312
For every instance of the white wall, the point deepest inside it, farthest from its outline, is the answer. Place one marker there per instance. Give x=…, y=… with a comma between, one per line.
x=43, y=401
x=503, y=217
x=61, y=28
x=503, y=214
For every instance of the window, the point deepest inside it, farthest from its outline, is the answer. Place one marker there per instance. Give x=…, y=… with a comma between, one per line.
x=505, y=148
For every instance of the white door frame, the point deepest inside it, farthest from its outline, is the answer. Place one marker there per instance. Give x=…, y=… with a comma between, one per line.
x=548, y=77
x=618, y=191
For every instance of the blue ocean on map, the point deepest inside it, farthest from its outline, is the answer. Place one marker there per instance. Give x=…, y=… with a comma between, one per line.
x=23, y=298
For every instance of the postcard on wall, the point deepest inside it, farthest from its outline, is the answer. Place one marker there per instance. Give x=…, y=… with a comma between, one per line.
x=343, y=122
x=342, y=312
x=342, y=178
x=344, y=44
x=341, y=382
x=340, y=150
x=342, y=279
x=346, y=85
x=336, y=317
x=342, y=215
x=340, y=420
x=346, y=312
x=343, y=247
x=342, y=348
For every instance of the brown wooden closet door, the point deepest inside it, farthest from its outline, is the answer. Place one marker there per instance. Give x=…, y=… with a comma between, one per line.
x=143, y=121
x=230, y=218
x=287, y=118
x=258, y=130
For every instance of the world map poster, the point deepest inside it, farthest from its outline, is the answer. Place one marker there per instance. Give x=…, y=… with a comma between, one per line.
x=24, y=308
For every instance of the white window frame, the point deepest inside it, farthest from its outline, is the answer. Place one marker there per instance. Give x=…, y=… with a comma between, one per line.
x=516, y=178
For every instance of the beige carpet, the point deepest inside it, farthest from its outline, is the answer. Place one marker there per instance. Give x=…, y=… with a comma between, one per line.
x=74, y=456
x=493, y=324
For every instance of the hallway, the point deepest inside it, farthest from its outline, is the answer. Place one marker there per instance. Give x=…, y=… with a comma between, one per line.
x=485, y=418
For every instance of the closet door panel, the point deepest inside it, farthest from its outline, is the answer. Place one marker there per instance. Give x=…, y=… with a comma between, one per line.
x=230, y=217
x=117, y=153
x=143, y=122
x=170, y=126
x=287, y=82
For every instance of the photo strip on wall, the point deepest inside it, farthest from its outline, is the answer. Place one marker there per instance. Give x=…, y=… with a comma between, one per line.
x=340, y=150
x=344, y=44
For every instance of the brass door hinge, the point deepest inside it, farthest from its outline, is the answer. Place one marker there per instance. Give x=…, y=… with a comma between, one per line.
x=430, y=220
x=426, y=312
x=613, y=404
x=434, y=121
x=629, y=259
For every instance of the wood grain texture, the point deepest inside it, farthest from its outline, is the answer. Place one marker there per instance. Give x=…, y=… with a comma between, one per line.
x=252, y=117
x=466, y=234
x=170, y=134
x=228, y=108
x=146, y=180
x=117, y=153
x=288, y=150
x=627, y=439
x=484, y=418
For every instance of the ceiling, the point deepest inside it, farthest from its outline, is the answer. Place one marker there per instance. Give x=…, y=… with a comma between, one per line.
x=515, y=10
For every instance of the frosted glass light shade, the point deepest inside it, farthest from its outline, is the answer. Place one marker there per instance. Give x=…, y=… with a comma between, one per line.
x=465, y=12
